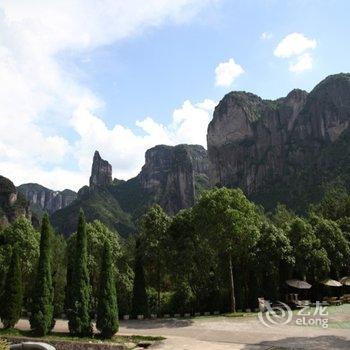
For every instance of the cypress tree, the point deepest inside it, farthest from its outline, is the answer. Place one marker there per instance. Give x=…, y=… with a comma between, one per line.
x=79, y=316
x=13, y=293
x=107, y=312
x=41, y=320
x=139, y=297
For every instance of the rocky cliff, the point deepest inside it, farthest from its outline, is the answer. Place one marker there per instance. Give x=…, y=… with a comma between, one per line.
x=101, y=172
x=46, y=200
x=287, y=150
x=172, y=177
x=12, y=203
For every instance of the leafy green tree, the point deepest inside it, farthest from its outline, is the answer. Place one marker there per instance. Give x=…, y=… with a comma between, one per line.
x=282, y=217
x=335, y=204
x=311, y=260
x=26, y=239
x=97, y=236
x=107, y=311
x=41, y=319
x=273, y=258
x=334, y=242
x=231, y=223
x=11, y=300
x=80, y=297
x=344, y=225
x=191, y=260
x=153, y=229
x=139, y=296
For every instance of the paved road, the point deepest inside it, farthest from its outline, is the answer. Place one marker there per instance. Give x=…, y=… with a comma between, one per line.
x=222, y=333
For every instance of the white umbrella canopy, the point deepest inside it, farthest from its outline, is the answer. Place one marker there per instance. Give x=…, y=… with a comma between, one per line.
x=298, y=284
x=345, y=281
x=331, y=283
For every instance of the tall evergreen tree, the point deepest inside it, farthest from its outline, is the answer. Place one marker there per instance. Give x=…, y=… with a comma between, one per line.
x=41, y=320
x=139, y=297
x=79, y=315
x=13, y=294
x=107, y=311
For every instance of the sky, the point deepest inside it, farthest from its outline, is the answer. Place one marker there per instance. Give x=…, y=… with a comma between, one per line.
x=123, y=76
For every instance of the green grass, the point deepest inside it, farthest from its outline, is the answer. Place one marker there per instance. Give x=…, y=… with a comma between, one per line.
x=119, y=339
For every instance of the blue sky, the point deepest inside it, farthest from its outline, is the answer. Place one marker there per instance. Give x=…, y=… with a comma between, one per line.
x=122, y=77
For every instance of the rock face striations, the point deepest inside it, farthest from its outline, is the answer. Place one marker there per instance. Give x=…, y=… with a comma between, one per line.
x=12, y=203
x=101, y=172
x=286, y=150
x=42, y=198
x=175, y=175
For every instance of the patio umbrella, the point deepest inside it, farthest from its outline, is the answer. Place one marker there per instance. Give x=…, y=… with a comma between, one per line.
x=331, y=283
x=298, y=284
x=345, y=281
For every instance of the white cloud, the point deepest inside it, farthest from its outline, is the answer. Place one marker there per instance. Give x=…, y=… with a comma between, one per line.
x=294, y=44
x=227, y=72
x=266, y=36
x=303, y=62
x=39, y=95
x=125, y=149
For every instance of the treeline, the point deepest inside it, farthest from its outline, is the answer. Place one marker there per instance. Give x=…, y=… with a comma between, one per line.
x=222, y=254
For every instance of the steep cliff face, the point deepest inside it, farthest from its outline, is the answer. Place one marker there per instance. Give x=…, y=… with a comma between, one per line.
x=174, y=176
x=101, y=172
x=44, y=199
x=280, y=151
x=12, y=203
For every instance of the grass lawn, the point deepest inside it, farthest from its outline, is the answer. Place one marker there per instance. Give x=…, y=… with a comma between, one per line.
x=117, y=339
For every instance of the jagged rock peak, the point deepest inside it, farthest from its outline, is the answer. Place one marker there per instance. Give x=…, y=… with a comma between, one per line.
x=47, y=199
x=101, y=172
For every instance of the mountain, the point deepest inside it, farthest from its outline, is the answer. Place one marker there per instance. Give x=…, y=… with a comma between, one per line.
x=12, y=203
x=173, y=176
x=288, y=150
x=43, y=199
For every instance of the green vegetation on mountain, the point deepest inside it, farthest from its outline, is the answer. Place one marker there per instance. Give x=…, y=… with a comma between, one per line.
x=98, y=204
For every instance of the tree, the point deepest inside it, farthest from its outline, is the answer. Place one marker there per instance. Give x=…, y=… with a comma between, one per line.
x=335, y=203
x=97, y=236
x=11, y=300
x=153, y=228
x=121, y=255
x=334, y=242
x=231, y=223
x=311, y=260
x=107, y=311
x=59, y=269
x=190, y=260
x=80, y=297
x=273, y=257
x=139, y=297
x=41, y=320
x=282, y=217
x=26, y=239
